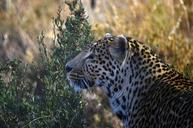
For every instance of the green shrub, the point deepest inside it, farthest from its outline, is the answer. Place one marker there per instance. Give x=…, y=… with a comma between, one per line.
x=38, y=95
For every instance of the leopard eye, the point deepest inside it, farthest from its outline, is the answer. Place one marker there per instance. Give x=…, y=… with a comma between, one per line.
x=91, y=56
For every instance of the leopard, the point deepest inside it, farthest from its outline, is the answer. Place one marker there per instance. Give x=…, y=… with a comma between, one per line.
x=142, y=90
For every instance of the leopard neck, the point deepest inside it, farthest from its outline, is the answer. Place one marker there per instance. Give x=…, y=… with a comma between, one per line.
x=140, y=69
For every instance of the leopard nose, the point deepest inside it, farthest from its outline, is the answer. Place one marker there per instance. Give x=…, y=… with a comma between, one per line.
x=68, y=68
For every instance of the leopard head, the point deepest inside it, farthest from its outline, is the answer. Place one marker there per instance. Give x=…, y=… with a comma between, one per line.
x=99, y=64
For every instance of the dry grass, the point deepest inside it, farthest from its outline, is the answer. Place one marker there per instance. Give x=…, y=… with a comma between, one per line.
x=32, y=16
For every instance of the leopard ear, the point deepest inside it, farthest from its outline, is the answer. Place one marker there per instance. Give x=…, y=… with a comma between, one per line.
x=118, y=47
x=108, y=35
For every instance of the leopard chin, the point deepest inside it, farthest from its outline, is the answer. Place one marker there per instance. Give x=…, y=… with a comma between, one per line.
x=77, y=88
x=80, y=84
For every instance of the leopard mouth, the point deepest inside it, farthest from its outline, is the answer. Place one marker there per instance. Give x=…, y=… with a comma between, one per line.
x=79, y=83
x=76, y=86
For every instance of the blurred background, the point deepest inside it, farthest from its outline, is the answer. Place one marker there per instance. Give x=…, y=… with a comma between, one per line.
x=165, y=25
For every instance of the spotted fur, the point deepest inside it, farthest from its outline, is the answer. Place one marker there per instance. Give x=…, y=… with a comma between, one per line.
x=143, y=91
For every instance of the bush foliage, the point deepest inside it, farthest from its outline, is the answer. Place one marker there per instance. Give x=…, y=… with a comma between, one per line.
x=38, y=95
